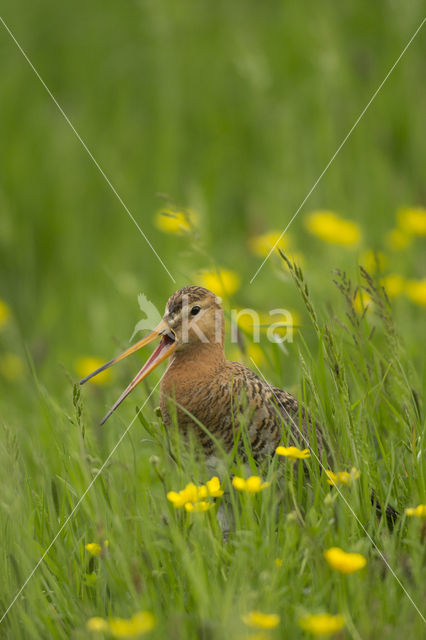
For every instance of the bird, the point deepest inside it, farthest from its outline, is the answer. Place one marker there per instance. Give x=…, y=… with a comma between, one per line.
x=211, y=397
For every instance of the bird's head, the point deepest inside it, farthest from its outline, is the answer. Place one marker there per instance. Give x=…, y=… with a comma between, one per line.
x=193, y=317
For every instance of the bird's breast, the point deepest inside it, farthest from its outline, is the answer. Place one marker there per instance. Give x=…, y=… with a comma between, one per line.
x=197, y=395
x=221, y=400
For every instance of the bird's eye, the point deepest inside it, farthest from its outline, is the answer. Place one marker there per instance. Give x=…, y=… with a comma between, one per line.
x=195, y=310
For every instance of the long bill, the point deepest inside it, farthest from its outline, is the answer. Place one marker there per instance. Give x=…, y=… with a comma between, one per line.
x=164, y=350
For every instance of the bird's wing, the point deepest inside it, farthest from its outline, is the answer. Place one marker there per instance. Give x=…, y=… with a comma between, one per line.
x=277, y=416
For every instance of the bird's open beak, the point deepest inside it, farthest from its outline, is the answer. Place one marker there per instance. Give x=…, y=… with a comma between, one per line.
x=164, y=350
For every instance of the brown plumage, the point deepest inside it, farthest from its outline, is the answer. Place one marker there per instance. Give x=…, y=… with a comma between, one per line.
x=220, y=394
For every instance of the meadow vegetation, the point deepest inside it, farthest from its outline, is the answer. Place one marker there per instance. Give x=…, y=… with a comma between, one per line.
x=212, y=121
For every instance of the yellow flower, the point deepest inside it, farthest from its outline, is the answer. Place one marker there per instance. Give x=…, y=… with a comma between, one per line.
x=11, y=366
x=253, y=484
x=253, y=350
x=275, y=325
x=188, y=494
x=246, y=319
x=5, y=314
x=393, y=284
x=295, y=257
x=278, y=562
x=176, y=498
x=261, y=620
x=223, y=282
x=173, y=221
x=94, y=548
x=419, y=511
x=211, y=489
x=252, y=322
x=342, y=477
x=193, y=497
x=132, y=627
x=293, y=453
x=198, y=507
x=262, y=244
x=412, y=220
x=322, y=624
x=286, y=322
x=328, y=226
x=416, y=291
x=373, y=261
x=96, y=624
x=344, y=562
x=362, y=300
x=397, y=239
x=87, y=364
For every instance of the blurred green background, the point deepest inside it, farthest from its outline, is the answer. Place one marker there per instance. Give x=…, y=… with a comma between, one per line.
x=232, y=109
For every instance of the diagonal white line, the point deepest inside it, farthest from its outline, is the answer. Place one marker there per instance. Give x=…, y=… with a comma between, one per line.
x=80, y=500
x=345, y=139
x=95, y=162
x=343, y=498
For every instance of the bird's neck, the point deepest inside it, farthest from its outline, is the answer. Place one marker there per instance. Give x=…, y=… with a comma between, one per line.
x=199, y=360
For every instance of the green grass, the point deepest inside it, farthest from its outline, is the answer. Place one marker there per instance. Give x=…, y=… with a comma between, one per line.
x=179, y=565
x=232, y=109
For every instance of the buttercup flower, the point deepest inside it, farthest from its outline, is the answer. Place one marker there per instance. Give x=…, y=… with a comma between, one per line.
x=293, y=453
x=416, y=291
x=198, y=507
x=261, y=620
x=328, y=226
x=344, y=562
x=393, y=284
x=262, y=244
x=253, y=350
x=322, y=624
x=188, y=494
x=397, y=239
x=285, y=322
x=173, y=221
x=5, y=313
x=223, y=282
x=342, y=477
x=132, y=627
x=193, y=498
x=211, y=488
x=255, y=322
x=278, y=562
x=412, y=220
x=97, y=624
x=295, y=257
x=362, y=300
x=253, y=484
x=87, y=364
x=419, y=511
x=373, y=261
x=94, y=548
x=11, y=366
x=246, y=320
